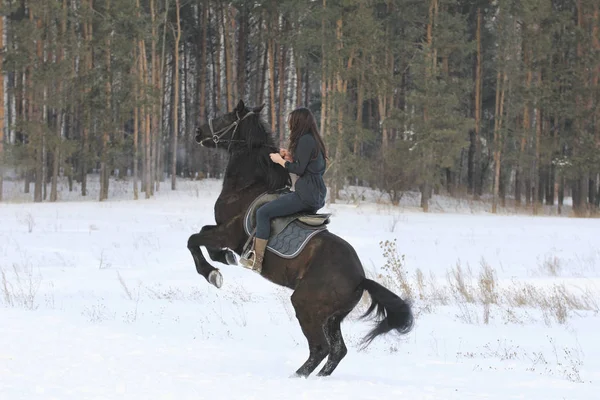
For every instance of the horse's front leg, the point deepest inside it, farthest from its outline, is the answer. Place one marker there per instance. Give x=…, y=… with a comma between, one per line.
x=214, y=238
x=224, y=256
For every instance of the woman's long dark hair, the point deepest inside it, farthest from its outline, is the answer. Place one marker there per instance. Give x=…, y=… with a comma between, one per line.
x=303, y=121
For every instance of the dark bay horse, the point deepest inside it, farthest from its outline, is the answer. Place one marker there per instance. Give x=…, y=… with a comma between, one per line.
x=327, y=276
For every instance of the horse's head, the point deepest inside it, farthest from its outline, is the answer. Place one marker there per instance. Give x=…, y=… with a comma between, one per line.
x=240, y=127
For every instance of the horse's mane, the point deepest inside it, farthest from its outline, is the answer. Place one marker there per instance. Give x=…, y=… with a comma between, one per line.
x=253, y=161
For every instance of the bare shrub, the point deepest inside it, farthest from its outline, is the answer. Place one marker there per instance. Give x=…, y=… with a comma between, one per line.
x=488, y=289
x=394, y=266
x=394, y=221
x=19, y=286
x=28, y=220
x=131, y=316
x=551, y=265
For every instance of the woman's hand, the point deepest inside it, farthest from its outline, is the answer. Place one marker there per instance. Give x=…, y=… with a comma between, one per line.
x=277, y=159
x=285, y=154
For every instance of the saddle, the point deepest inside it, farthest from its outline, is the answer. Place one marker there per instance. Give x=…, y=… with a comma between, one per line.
x=289, y=234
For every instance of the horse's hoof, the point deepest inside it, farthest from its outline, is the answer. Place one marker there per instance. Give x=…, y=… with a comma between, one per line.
x=230, y=258
x=215, y=278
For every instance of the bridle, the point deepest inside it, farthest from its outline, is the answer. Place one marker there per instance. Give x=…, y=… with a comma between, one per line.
x=218, y=136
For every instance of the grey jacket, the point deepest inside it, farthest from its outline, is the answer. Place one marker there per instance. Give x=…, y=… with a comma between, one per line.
x=310, y=185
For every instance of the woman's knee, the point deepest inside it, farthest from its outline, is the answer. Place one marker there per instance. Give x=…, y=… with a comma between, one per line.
x=263, y=213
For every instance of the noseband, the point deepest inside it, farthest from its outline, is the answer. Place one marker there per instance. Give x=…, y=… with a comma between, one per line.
x=217, y=136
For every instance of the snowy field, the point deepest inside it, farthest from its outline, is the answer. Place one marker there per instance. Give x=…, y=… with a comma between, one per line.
x=102, y=301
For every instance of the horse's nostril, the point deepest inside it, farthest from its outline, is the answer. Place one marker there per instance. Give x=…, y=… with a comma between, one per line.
x=198, y=138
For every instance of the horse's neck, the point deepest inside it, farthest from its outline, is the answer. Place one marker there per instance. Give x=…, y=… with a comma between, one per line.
x=235, y=199
x=237, y=188
x=241, y=186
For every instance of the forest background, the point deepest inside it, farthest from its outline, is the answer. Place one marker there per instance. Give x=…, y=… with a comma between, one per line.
x=484, y=99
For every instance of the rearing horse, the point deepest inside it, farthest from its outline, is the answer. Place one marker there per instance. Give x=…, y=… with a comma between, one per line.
x=327, y=276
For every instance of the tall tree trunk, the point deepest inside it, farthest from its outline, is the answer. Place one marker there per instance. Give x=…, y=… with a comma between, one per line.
x=359, y=110
x=596, y=100
x=155, y=80
x=272, y=111
x=2, y=122
x=38, y=116
x=299, y=95
x=307, y=85
x=561, y=193
x=500, y=90
x=521, y=174
x=340, y=114
x=20, y=114
x=538, y=138
x=88, y=34
x=260, y=64
x=324, y=96
x=229, y=44
x=340, y=106
x=175, y=101
x=104, y=170
x=551, y=184
x=136, y=156
x=203, y=61
x=281, y=100
x=579, y=200
x=138, y=88
x=217, y=64
x=61, y=112
x=477, y=181
x=147, y=140
x=144, y=119
x=27, y=87
x=430, y=71
x=263, y=75
x=242, y=52
x=160, y=156
x=330, y=88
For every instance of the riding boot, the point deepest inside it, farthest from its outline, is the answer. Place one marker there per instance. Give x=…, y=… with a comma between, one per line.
x=254, y=258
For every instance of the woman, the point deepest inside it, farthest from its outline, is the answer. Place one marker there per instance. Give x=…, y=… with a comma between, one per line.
x=306, y=158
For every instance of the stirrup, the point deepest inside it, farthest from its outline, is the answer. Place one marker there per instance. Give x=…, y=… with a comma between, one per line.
x=246, y=258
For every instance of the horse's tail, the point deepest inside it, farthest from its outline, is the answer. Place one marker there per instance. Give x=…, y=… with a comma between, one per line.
x=397, y=312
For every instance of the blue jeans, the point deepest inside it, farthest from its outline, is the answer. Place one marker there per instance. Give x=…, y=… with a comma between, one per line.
x=285, y=205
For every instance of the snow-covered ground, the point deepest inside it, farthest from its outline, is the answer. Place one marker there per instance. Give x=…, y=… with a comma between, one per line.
x=102, y=301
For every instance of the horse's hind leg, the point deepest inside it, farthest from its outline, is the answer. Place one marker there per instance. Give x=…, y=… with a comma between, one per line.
x=337, y=347
x=312, y=324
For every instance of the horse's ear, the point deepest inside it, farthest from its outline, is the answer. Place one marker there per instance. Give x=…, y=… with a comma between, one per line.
x=257, y=110
x=240, y=107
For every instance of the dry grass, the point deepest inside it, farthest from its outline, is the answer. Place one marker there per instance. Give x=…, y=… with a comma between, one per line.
x=470, y=292
x=457, y=281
